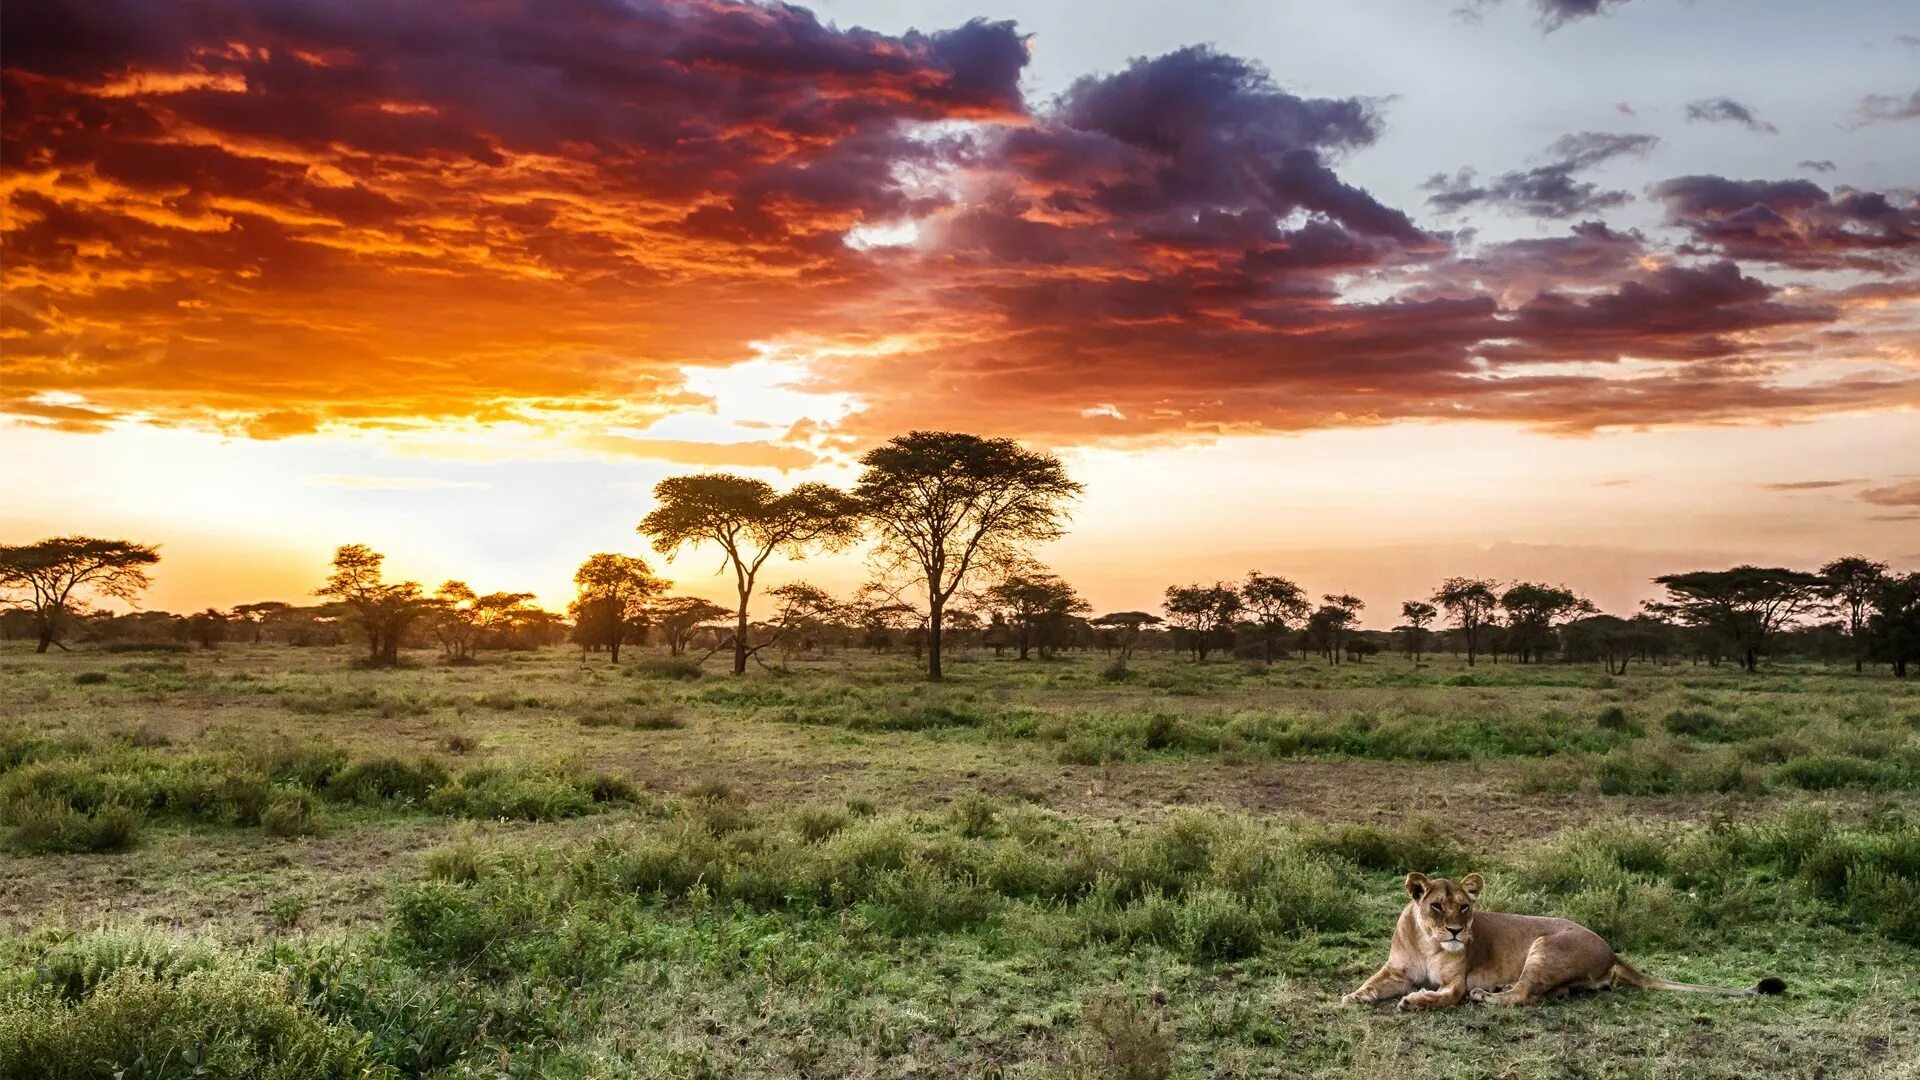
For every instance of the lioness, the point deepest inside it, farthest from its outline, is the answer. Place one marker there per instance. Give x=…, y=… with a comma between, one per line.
x=1443, y=953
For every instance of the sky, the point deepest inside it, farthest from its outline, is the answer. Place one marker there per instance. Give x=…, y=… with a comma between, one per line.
x=1367, y=294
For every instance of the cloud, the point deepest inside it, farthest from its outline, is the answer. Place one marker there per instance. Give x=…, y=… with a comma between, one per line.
x=343, y=216
x=1794, y=222
x=1820, y=165
x=684, y=452
x=1806, y=485
x=1722, y=110
x=1886, y=109
x=1553, y=14
x=1905, y=493
x=1548, y=190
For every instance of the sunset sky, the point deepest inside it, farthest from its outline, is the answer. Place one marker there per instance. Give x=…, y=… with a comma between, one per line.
x=1365, y=293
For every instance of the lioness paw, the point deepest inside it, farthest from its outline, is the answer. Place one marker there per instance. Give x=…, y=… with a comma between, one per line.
x=1359, y=997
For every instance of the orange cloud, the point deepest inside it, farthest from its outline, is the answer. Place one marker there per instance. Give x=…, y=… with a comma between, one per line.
x=283, y=220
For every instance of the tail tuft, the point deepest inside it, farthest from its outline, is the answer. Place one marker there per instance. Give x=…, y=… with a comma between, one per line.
x=1770, y=985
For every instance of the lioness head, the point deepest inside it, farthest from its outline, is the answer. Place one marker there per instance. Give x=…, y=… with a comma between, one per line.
x=1443, y=909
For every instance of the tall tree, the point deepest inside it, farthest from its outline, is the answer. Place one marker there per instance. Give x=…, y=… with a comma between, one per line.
x=1469, y=602
x=1126, y=627
x=466, y=618
x=1893, y=627
x=612, y=592
x=257, y=615
x=1533, y=610
x=680, y=617
x=1273, y=601
x=1039, y=607
x=1744, y=606
x=1203, y=613
x=1418, y=614
x=947, y=505
x=1852, y=582
x=382, y=610
x=1335, y=617
x=51, y=579
x=749, y=522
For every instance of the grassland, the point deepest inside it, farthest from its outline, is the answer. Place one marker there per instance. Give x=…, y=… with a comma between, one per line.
x=259, y=861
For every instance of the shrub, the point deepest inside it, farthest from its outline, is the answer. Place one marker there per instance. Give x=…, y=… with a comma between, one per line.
x=386, y=780
x=90, y=678
x=219, y=1022
x=72, y=967
x=488, y=794
x=309, y=764
x=1421, y=844
x=1820, y=772
x=1124, y=1041
x=815, y=822
x=290, y=812
x=678, y=668
x=973, y=815
x=40, y=824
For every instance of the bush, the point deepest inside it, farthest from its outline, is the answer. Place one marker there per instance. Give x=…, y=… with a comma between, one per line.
x=39, y=824
x=218, y=1022
x=678, y=668
x=1421, y=844
x=386, y=780
x=1820, y=772
x=73, y=966
x=290, y=812
x=1124, y=1041
x=90, y=678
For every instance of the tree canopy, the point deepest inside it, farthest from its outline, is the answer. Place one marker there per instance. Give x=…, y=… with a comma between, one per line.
x=749, y=522
x=1745, y=605
x=51, y=578
x=946, y=505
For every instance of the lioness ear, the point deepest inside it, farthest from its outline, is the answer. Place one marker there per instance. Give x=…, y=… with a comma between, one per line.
x=1416, y=884
x=1473, y=883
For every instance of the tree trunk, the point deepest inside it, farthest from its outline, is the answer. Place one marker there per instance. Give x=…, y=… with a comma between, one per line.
x=935, y=612
x=740, y=640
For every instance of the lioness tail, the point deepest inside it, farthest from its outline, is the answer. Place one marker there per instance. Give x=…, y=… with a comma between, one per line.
x=1624, y=972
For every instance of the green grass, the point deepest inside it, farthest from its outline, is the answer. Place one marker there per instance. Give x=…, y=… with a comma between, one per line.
x=263, y=861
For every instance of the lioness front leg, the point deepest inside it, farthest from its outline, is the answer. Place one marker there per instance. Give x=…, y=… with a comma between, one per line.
x=1444, y=998
x=1386, y=984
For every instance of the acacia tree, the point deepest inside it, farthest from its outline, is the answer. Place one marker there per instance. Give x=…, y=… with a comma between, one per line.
x=466, y=617
x=947, y=505
x=1204, y=613
x=679, y=617
x=1893, y=627
x=1469, y=601
x=1126, y=626
x=1418, y=614
x=50, y=579
x=1273, y=602
x=382, y=610
x=1533, y=609
x=257, y=615
x=1743, y=606
x=613, y=592
x=1851, y=583
x=1335, y=617
x=749, y=522
x=1039, y=606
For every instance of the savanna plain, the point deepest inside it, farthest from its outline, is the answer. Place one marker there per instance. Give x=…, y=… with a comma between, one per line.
x=262, y=860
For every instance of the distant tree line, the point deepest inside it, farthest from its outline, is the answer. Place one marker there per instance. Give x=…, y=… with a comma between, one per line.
x=951, y=520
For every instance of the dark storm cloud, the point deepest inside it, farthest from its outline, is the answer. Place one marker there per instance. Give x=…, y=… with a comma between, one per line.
x=275, y=218
x=1549, y=190
x=1722, y=110
x=1794, y=222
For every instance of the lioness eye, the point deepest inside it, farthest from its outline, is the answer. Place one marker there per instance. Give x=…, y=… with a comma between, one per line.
x=1464, y=908
x=1436, y=909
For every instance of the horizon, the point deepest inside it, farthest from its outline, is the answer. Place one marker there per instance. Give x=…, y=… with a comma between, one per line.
x=1366, y=296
